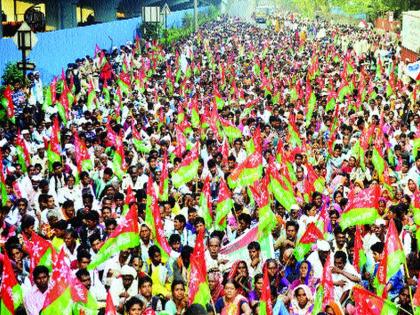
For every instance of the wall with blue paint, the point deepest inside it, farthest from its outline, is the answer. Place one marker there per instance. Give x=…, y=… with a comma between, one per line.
x=55, y=50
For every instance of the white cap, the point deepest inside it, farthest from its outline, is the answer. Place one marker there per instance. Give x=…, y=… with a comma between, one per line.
x=128, y=271
x=323, y=246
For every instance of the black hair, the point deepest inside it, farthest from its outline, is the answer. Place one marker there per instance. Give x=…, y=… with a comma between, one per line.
x=175, y=283
x=39, y=270
x=254, y=245
x=131, y=302
x=82, y=272
x=340, y=254
x=377, y=247
x=145, y=279
x=153, y=250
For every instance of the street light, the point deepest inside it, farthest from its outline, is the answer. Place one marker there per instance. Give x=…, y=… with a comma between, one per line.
x=24, y=41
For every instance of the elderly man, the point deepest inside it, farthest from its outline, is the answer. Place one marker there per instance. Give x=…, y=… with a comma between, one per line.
x=124, y=287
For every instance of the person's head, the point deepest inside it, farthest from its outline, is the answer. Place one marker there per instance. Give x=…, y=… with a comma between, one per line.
x=304, y=269
x=145, y=286
x=175, y=242
x=301, y=296
x=68, y=208
x=95, y=242
x=288, y=258
x=128, y=274
x=199, y=224
x=179, y=222
x=377, y=250
x=323, y=249
x=41, y=276
x=258, y=282
x=231, y=289
x=404, y=296
x=110, y=225
x=83, y=259
x=340, y=236
x=244, y=221
x=214, y=246
x=272, y=267
x=92, y=219
x=178, y=290
x=254, y=250
x=57, y=168
x=84, y=277
x=145, y=233
x=155, y=255
x=292, y=227
x=340, y=259
x=70, y=237
x=133, y=306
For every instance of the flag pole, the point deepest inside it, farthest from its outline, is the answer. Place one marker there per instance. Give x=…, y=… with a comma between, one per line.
x=409, y=288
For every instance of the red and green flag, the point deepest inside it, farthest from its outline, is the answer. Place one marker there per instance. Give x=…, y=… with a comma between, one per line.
x=416, y=208
x=266, y=218
x=293, y=138
x=24, y=158
x=311, y=235
x=310, y=108
x=325, y=291
x=343, y=91
x=83, y=160
x=371, y=304
x=66, y=291
x=54, y=150
x=220, y=103
x=416, y=298
x=91, y=97
x=119, y=164
x=159, y=232
x=124, y=83
x=231, y=131
x=138, y=143
x=41, y=252
x=394, y=251
x=378, y=162
x=188, y=168
x=150, y=197
x=11, y=297
x=279, y=188
x=266, y=304
x=125, y=236
x=164, y=179
x=195, y=115
x=206, y=204
x=416, y=145
x=224, y=204
x=359, y=259
x=7, y=103
x=361, y=208
x=246, y=173
x=199, y=292
x=3, y=187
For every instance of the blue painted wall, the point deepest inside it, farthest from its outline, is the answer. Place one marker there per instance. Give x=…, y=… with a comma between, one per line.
x=55, y=50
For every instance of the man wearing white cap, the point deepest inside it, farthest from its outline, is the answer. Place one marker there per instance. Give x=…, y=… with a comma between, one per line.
x=124, y=287
x=319, y=257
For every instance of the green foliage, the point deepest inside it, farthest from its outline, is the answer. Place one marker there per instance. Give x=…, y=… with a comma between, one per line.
x=176, y=34
x=373, y=8
x=12, y=75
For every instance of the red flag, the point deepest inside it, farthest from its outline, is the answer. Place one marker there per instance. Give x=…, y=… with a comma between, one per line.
x=110, y=307
x=181, y=142
x=225, y=151
x=367, y=303
x=38, y=249
x=327, y=282
x=199, y=291
x=11, y=292
x=8, y=103
x=266, y=305
x=159, y=231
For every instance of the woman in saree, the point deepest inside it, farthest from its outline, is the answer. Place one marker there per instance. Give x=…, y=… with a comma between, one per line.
x=232, y=303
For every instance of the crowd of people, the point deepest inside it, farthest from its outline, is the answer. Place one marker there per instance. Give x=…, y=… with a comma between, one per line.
x=139, y=101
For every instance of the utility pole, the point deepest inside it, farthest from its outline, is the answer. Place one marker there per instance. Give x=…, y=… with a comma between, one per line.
x=196, y=15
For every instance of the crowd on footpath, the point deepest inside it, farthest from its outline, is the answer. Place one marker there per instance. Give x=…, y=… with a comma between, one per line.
x=283, y=162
